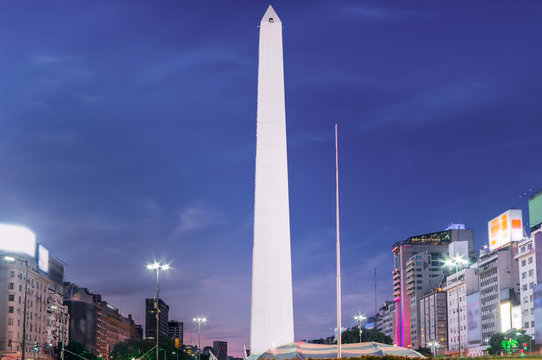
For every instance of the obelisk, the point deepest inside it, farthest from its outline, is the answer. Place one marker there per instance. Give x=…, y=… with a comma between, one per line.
x=272, y=320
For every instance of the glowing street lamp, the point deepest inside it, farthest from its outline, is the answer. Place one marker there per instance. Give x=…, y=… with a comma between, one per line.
x=434, y=345
x=360, y=319
x=164, y=267
x=199, y=320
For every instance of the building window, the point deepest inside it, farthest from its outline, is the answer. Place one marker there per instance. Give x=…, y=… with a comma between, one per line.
x=12, y=274
x=10, y=321
x=530, y=246
x=11, y=286
x=523, y=262
x=524, y=287
x=526, y=325
x=531, y=260
x=531, y=272
x=531, y=285
x=10, y=309
x=11, y=297
x=524, y=275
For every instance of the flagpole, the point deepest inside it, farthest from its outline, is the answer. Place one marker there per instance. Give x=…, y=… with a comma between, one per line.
x=339, y=326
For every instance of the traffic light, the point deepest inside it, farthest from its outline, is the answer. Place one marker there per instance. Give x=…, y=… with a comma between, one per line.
x=36, y=346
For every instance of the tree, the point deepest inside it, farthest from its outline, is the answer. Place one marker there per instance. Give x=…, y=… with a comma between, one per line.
x=74, y=347
x=352, y=336
x=509, y=342
x=129, y=349
x=425, y=351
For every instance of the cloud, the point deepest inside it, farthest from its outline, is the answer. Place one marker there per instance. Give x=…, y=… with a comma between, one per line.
x=432, y=104
x=380, y=14
x=44, y=59
x=196, y=217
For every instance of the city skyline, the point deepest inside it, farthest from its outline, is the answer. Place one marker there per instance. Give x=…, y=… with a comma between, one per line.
x=127, y=136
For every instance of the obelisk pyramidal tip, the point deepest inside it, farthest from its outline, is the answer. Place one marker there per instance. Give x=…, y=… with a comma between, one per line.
x=272, y=321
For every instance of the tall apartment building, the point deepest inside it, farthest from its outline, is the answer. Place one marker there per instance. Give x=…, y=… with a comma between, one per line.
x=94, y=323
x=458, y=286
x=58, y=319
x=25, y=272
x=220, y=349
x=175, y=332
x=12, y=279
x=384, y=319
x=434, y=319
x=424, y=273
x=431, y=248
x=526, y=259
x=150, y=318
x=499, y=284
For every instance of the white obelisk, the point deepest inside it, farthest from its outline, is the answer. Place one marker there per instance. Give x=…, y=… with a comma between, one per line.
x=272, y=320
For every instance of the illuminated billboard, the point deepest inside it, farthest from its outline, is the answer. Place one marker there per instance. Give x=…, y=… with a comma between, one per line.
x=535, y=210
x=17, y=239
x=505, y=228
x=506, y=319
x=43, y=258
x=516, y=317
x=473, y=319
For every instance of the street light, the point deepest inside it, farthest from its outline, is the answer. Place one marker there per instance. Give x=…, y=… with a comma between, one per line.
x=434, y=345
x=360, y=319
x=455, y=263
x=199, y=320
x=12, y=259
x=164, y=267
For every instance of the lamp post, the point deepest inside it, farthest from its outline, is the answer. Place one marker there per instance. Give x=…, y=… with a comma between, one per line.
x=360, y=319
x=199, y=320
x=12, y=259
x=434, y=345
x=157, y=266
x=454, y=263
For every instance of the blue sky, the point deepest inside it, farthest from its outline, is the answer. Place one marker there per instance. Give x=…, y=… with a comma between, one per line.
x=127, y=134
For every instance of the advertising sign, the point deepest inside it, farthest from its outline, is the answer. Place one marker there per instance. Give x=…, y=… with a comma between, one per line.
x=516, y=317
x=43, y=258
x=506, y=319
x=537, y=301
x=505, y=228
x=17, y=239
x=535, y=210
x=473, y=319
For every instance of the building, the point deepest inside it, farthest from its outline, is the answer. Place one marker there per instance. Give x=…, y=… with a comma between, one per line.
x=94, y=323
x=220, y=350
x=58, y=319
x=384, y=320
x=434, y=319
x=175, y=332
x=424, y=273
x=498, y=277
x=458, y=286
x=526, y=260
x=150, y=318
x=414, y=277
x=23, y=275
x=272, y=314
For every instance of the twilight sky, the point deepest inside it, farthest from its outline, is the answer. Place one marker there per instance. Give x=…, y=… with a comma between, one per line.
x=127, y=134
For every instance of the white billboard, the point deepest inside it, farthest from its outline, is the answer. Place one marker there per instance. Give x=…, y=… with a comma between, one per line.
x=505, y=228
x=43, y=258
x=473, y=319
x=17, y=239
x=506, y=319
x=516, y=317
